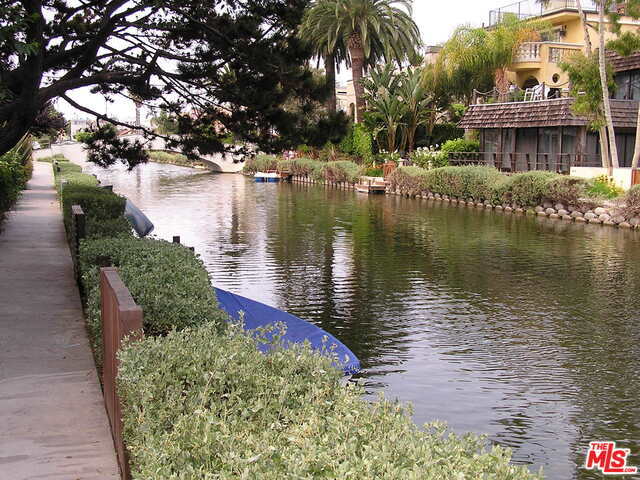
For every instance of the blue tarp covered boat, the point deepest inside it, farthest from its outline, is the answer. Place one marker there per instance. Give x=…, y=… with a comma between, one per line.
x=140, y=222
x=258, y=315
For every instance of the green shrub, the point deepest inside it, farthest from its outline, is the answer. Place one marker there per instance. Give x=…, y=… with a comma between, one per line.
x=362, y=143
x=460, y=145
x=98, y=204
x=346, y=145
x=167, y=280
x=429, y=157
x=565, y=189
x=305, y=166
x=58, y=157
x=13, y=178
x=528, y=189
x=260, y=163
x=475, y=182
x=341, y=171
x=373, y=172
x=603, y=187
x=108, y=227
x=199, y=405
x=409, y=180
x=632, y=202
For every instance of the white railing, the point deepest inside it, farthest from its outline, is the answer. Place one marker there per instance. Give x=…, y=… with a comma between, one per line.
x=528, y=52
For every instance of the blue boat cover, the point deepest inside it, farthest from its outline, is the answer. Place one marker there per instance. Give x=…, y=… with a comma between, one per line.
x=257, y=315
x=140, y=222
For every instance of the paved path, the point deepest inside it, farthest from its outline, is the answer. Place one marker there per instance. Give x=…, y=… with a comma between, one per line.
x=52, y=419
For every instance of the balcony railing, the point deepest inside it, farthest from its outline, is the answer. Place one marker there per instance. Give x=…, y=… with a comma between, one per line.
x=529, y=8
x=529, y=52
x=526, y=162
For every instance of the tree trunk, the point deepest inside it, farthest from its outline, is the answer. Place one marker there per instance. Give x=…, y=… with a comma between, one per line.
x=411, y=137
x=330, y=72
x=587, y=39
x=357, y=66
x=636, y=151
x=604, y=147
x=502, y=85
x=605, y=91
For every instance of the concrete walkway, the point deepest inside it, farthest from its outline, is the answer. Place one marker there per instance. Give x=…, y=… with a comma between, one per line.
x=53, y=423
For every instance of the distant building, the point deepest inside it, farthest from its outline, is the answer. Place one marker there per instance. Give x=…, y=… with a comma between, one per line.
x=431, y=54
x=536, y=128
x=346, y=99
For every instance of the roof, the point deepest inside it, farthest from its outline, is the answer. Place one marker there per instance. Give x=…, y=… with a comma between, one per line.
x=545, y=113
x=623, y=64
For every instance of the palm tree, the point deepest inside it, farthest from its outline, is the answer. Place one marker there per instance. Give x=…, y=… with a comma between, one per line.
x=315, y=31
x=369, y=29
x=485, y=52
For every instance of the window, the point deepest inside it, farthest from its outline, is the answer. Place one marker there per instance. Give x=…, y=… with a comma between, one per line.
x=627, y=85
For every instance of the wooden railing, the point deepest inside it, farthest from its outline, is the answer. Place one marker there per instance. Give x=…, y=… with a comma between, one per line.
x=121, y=318
x=525, y=162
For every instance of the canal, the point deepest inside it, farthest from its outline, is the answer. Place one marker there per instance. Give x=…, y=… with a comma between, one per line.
x=525, y=329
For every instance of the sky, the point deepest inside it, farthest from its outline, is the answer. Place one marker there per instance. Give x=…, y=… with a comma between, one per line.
x=436, y=20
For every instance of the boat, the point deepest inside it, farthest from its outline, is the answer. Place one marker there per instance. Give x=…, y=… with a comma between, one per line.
x=270, y=176
x=138, y=220
x=257, y=315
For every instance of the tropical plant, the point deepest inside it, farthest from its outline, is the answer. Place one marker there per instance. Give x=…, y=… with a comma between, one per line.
x=473, y=55
x=416, y=99
x=371, y=29
x=382, y=91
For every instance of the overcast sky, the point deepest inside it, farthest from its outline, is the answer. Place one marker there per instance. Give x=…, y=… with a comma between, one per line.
x=437, y=19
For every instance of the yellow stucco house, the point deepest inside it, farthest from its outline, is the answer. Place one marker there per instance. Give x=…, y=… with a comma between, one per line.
x=538, y=62
x=542, y=132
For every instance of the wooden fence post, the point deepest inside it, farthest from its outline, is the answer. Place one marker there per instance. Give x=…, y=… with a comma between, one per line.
x=121, y=317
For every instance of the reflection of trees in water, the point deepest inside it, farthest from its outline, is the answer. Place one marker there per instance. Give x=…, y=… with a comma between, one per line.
x=551, y=302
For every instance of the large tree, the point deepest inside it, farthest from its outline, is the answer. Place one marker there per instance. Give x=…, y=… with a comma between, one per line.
x=369, y=28
x=228, y=62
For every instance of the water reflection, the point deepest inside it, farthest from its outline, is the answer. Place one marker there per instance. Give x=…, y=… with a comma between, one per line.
x=522, y=328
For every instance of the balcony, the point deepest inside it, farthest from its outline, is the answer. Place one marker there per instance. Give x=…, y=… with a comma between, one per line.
x=531, y=54
x=530, y=8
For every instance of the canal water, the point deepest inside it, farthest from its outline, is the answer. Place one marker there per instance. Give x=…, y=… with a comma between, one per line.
x=524, y=329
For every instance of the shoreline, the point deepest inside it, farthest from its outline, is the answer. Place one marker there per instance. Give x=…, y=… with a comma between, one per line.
x=604, y=214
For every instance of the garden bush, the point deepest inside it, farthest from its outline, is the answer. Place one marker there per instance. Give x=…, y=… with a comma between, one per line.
x=460, y=145
x=260, y=163
x=475, y=182
x=341, y=171
x=167, y=280
x=305, y=166
x=203, y=405
x=98, y=204
x=429, y=157
x=528, y=189
x=603, y=187
x=13, y=178
x=409, y=180
x=565, y=189
x=172, y=158
x=58, y=157
x=632, y=202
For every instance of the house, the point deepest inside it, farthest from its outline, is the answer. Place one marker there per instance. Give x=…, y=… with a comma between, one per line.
x=346, y=98
x=542, y=132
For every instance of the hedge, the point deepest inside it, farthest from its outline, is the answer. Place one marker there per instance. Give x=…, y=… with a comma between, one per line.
x=632, y=202
x=167, y=280
x=488, y=184
x=103, y=209
x=340, y=172
x=13, y=178
x=202, y=405
x=260, y=163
